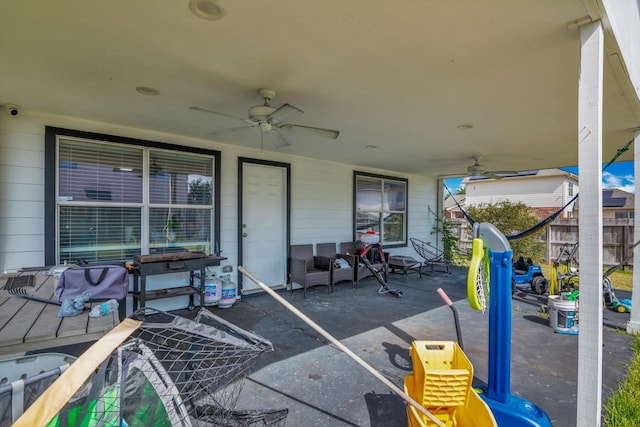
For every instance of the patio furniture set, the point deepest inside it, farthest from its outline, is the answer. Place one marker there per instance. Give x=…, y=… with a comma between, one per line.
x=333, y=263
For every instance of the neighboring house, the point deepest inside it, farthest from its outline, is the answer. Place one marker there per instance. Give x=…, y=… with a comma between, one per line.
x=617, y=204
x=545, y=191
x=451, y=208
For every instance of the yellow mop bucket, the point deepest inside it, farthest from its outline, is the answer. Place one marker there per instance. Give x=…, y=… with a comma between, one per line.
x=441, y=382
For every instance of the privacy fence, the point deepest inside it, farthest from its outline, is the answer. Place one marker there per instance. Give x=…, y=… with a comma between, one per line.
x=617, y=238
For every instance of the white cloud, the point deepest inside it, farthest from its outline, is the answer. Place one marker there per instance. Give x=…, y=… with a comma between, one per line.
x=622, y=182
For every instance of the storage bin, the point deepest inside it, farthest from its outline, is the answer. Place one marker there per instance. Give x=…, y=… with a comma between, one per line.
x=23, y=379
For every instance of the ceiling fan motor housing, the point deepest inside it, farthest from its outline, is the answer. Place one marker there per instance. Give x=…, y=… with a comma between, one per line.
x=475, y=169
x=259, y=113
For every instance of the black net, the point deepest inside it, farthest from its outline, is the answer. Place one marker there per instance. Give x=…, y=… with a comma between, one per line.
x=173, y=372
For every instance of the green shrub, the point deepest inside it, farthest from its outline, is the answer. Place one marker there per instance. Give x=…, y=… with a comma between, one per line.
x=512, y=218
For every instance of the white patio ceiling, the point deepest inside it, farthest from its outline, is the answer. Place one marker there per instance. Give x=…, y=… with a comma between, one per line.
x=402, y=76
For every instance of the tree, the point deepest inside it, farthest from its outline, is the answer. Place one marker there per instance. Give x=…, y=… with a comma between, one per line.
x=512, y=218
x=200, y=192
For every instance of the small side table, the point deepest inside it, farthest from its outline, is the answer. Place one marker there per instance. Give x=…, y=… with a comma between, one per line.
x=405, y=264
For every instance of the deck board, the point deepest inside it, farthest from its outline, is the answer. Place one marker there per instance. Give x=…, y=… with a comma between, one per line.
x=29, y=325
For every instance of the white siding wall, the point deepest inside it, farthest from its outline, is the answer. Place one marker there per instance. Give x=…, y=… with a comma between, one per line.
x=21, y=194
x=321, y=191
x=534, y=192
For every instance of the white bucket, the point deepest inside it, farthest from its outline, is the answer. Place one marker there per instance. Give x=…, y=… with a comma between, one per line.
x=370, y=238
x=562, y=313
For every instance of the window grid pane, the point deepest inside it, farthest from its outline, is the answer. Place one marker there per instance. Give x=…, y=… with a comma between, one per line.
x=95, y=172
x=180, y=228
x=180, y=179
x=99, y=234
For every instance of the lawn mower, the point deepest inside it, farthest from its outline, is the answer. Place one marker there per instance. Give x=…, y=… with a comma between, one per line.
x=619, y=305
x=609, y=296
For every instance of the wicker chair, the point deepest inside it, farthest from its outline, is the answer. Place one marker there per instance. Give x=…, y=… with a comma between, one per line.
x=353, y=248
x=308, y=270
x=339, y=274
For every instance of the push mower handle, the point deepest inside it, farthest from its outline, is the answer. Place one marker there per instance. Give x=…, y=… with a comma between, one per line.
x=444, y=297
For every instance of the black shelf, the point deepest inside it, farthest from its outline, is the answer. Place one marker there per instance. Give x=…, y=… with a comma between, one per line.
x=166, y=264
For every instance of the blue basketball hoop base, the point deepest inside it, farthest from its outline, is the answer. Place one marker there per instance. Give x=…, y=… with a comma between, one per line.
x=508, y=410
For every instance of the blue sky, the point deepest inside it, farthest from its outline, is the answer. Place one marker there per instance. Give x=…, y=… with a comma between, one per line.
x=618, y=175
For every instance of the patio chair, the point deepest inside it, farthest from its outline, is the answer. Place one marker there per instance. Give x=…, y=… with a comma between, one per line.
x=433, y=257
x=341, y=273
x=308, y=270
x=362, y=272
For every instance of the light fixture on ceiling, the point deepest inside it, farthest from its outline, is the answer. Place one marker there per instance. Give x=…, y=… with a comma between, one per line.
x=465, y=126
x=370, y=147
x=206, y=9
x=145, y=90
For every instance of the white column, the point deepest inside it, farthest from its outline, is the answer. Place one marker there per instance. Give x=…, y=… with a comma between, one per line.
x=633, y=327
x=590, y=224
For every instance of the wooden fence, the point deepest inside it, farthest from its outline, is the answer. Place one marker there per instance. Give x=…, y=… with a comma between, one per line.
x=617, y=238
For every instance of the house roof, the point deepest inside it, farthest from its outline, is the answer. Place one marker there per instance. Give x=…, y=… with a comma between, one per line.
x=428, y=83
x=542, y=173
x=617, y=199
x=450, y=202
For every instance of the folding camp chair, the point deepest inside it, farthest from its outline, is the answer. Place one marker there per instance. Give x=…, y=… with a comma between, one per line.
x=433, y=257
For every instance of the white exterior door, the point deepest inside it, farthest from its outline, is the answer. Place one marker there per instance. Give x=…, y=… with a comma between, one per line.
x=264, y=224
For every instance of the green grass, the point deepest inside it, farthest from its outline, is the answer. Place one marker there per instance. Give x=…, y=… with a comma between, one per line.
x=622, y=280
x=622, y=409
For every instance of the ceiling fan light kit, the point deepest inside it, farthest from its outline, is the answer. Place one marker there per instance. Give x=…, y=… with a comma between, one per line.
x=271, y=119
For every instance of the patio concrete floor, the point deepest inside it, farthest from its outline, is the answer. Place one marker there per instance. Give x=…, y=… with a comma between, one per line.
x=321, y=386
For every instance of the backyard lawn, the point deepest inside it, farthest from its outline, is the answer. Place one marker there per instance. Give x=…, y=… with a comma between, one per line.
x=621, y=280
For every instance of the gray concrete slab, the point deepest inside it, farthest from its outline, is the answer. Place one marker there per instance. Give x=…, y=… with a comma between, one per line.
x=321, y=386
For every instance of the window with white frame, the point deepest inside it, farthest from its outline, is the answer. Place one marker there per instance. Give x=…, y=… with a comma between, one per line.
x=114, y=201
x=381, y=206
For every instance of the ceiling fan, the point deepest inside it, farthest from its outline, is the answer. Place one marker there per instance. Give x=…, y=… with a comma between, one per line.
x=270, y=120
x=477, y=170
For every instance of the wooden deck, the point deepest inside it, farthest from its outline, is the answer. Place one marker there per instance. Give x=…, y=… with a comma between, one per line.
x=31, y=325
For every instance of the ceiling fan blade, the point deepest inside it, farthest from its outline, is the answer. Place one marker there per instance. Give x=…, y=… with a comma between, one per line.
x=276, y=138
x=221, y=114
x=230, y=130
x=324, y=133
x=283, y=113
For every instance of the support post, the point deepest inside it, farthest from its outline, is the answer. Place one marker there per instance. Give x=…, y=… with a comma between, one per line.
x=590, y=90
x=633, y=327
